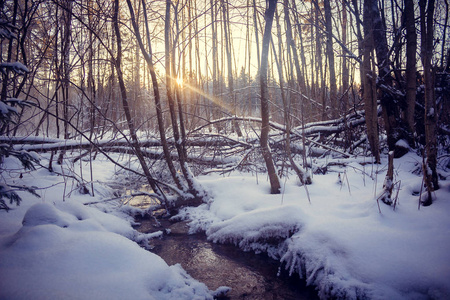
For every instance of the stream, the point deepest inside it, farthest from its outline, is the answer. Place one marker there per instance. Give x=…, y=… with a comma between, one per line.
x=249, y=275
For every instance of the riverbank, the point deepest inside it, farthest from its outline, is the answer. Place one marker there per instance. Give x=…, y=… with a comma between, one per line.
x=54, y=247
x=340, y=243
x=343, y=242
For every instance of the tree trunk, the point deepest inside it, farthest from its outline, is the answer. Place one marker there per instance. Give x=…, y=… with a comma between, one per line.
x=369, y=83
x=118, y=66
x=215, y=59
x=255, y=24
x=231, y=96
x=388, y=184
x=300, y=79
x=159, y=114
x=6, y=80
x=411, y=45
x=320, y=70
x=66, y=42
x=287, y=118
x=330, y=56
x=273, y=176
x=389, y=104
x=444, y=35
x=345, y=71
x=359, y=35
x=426, y=28
x=170, y=98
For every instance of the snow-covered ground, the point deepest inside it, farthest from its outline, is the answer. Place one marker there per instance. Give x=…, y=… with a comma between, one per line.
x=55, y=247
x=339, y=242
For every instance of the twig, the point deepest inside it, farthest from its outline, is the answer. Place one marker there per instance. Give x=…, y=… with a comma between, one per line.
x=398, y=190
x=348, y=184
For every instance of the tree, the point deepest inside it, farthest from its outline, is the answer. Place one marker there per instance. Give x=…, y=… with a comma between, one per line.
x=330, y=56
x=231, y=96
x=170, y=74
x=426, y=49
x=265, y=110
x=287, y=117
x=148, y=58
x=126, y=107
x=345, y=70
x=8, y=109
x=389, y=98
x=300, y=80
x=411, y=46
x=369, y=81
x=65, y=67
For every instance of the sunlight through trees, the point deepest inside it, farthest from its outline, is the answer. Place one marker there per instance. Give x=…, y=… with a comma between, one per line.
x=330, y=77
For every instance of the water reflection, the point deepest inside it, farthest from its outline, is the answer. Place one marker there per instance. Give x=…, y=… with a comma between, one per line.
x=249, y=275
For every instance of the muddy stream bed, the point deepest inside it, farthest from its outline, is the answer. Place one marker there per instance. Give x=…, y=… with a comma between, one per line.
x=250, y=275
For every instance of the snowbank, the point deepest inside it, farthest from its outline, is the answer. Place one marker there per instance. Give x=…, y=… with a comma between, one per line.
x=54, y=249
x=339, y=243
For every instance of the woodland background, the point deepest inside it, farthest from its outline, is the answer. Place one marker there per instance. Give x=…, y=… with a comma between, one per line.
x=186, y=85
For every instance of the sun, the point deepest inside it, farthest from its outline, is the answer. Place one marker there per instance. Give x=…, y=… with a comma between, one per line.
x=180, y=81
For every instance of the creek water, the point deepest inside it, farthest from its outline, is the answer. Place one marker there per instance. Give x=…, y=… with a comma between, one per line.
x=249, y=275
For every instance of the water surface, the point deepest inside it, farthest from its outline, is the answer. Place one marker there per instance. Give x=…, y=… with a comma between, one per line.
x=250, y=275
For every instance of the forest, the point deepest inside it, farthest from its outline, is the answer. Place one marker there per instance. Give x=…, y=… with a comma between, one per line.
x=173, y=92
x=280, y=81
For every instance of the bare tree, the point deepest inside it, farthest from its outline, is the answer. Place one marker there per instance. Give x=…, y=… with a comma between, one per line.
x=426, y=42
x=345, y=69
x=411, y=46
x=148, y=58
x=227, y=35
x=65, y=67
x=192, y=187
x=369, y=81
x=126, y=107
x=273, y=176
x=330, y=56
x=287, y=117
x=388, y=97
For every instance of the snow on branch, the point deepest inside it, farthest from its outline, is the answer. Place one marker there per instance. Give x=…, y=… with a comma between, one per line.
x=16, y=67
x=7, y=30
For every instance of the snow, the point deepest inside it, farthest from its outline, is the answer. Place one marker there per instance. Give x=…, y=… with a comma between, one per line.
x=54, y=247
x=6, y=109
x=339, y=243
x=402, y=143
x=15, y=66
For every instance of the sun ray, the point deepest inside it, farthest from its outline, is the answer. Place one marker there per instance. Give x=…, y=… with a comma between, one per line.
x=214, y=99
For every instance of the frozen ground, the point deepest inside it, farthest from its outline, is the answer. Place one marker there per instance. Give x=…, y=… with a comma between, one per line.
x=340, y=242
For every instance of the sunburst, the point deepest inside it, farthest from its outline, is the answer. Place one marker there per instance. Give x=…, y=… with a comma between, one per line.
x=214, y=99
